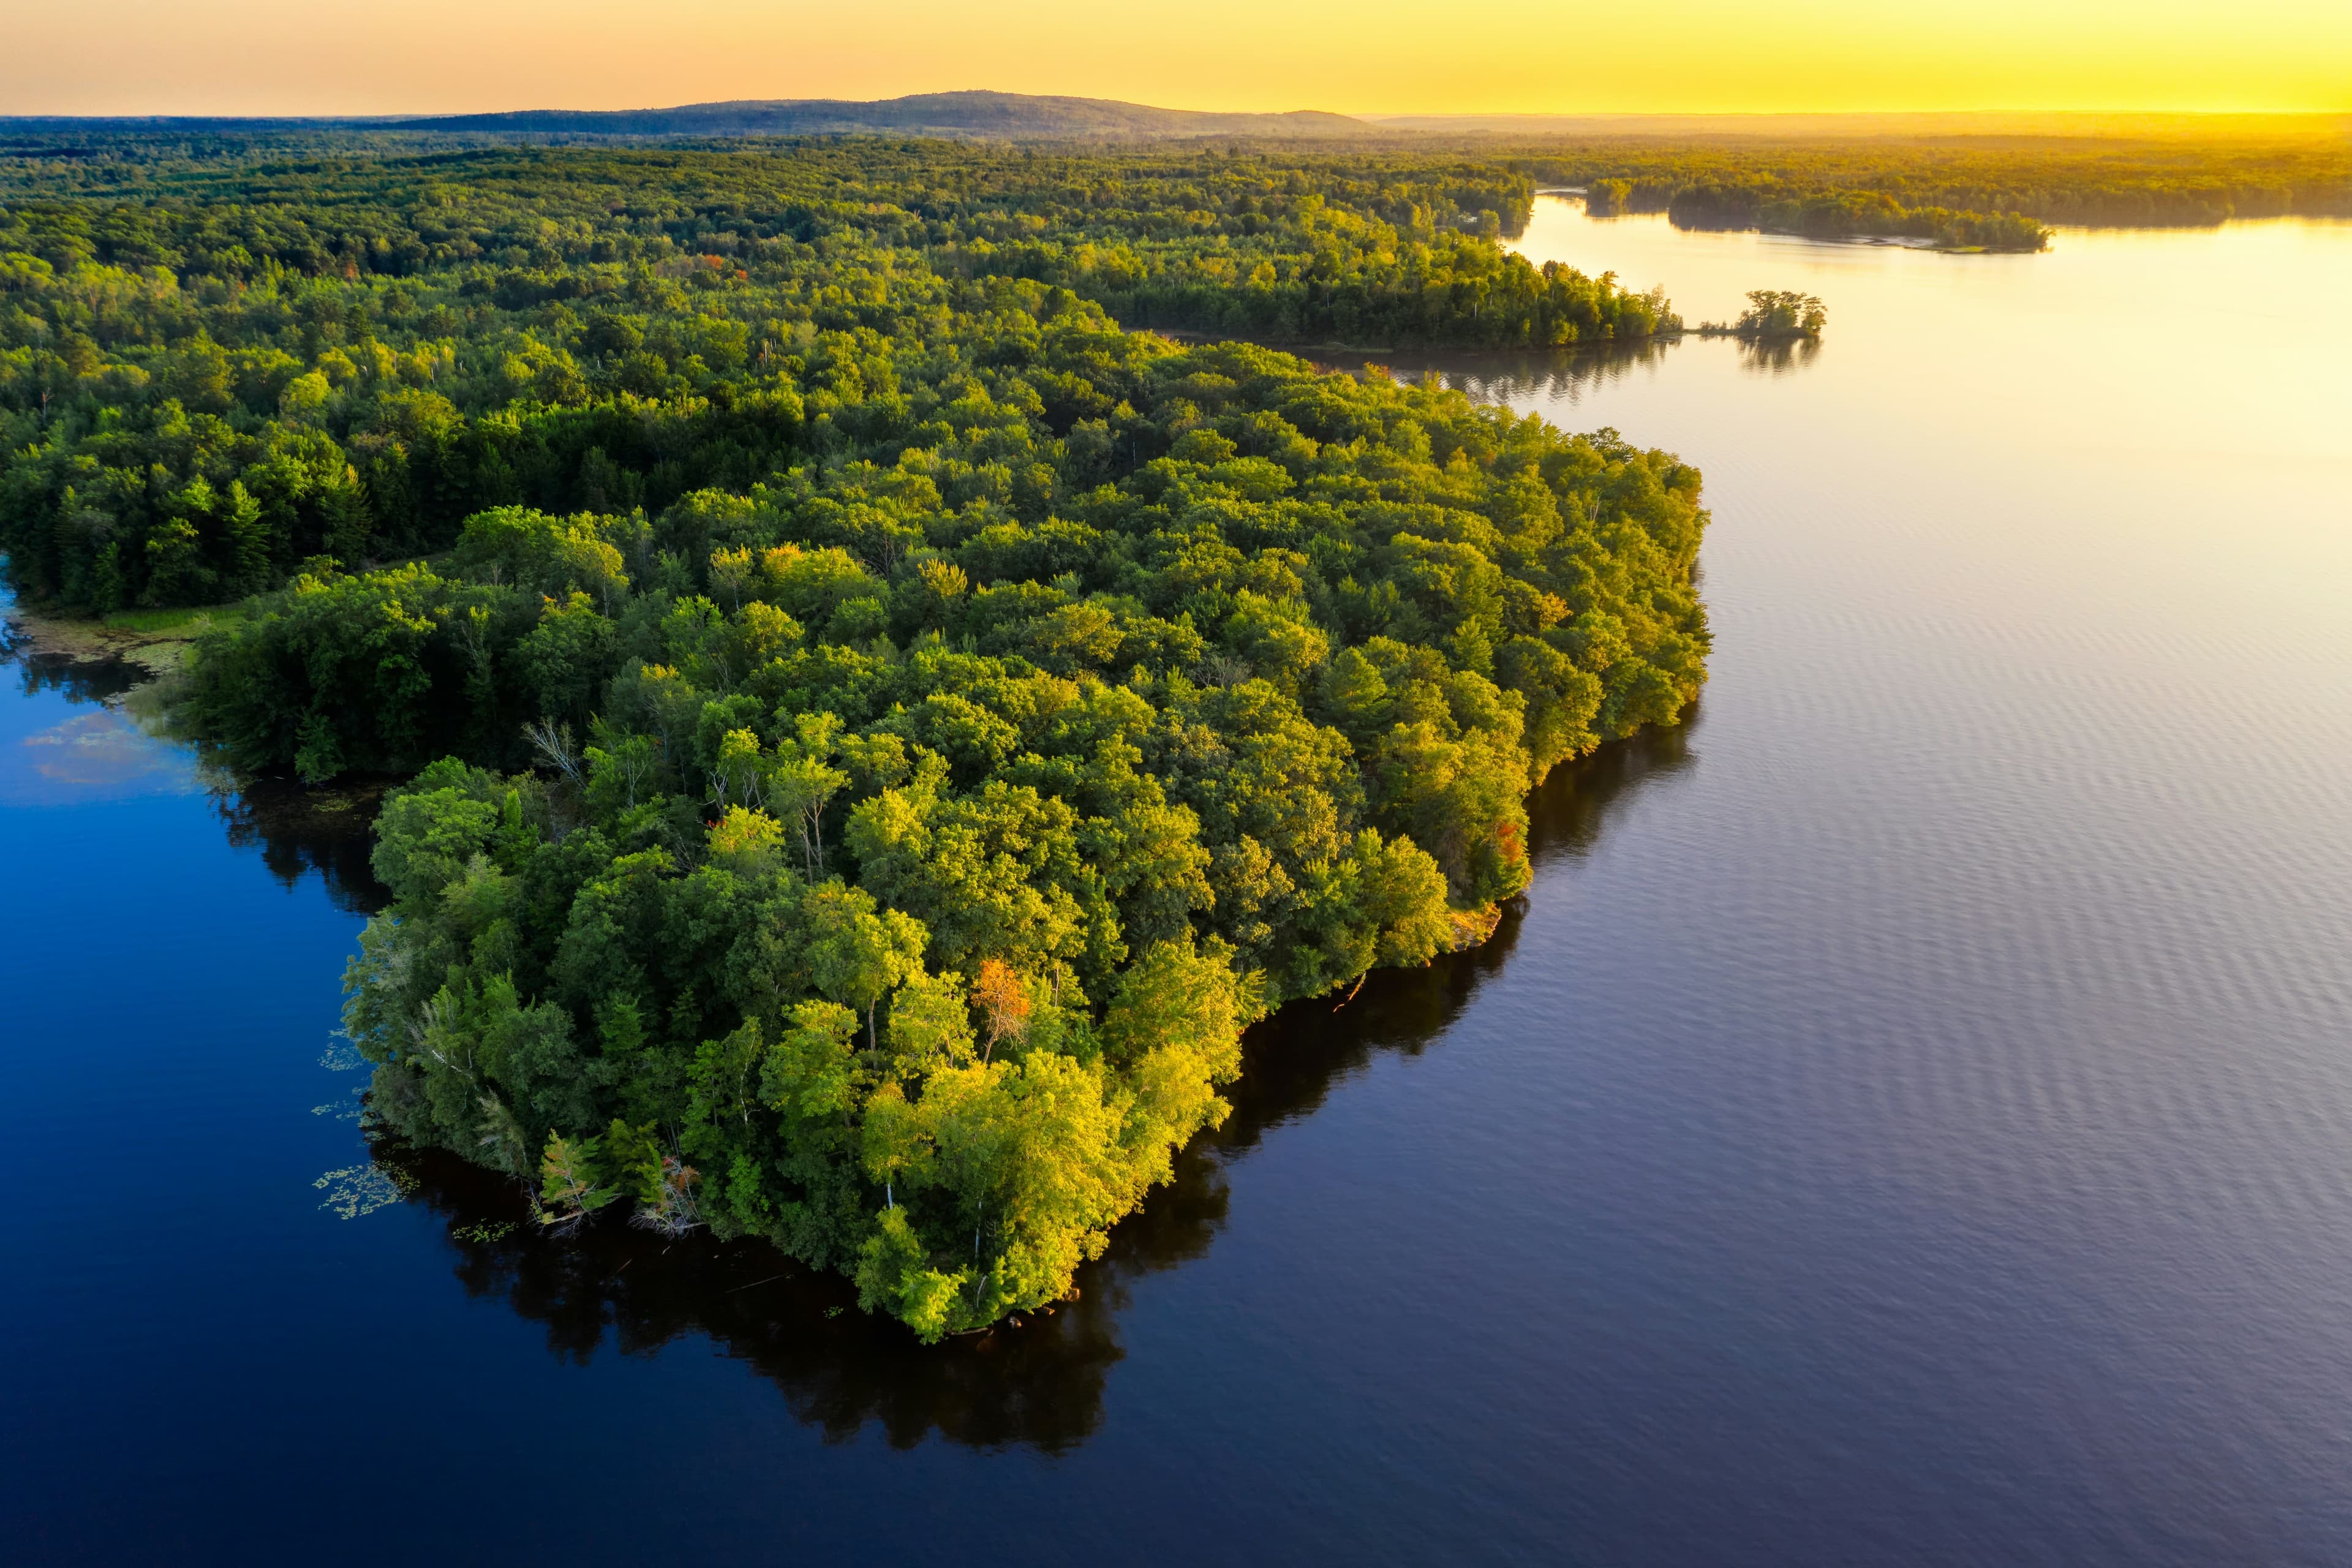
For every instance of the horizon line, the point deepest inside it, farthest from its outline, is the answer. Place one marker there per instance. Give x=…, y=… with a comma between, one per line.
x=1372, y=117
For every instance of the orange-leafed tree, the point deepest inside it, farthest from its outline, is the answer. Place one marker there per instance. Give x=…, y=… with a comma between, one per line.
x=1003, y=996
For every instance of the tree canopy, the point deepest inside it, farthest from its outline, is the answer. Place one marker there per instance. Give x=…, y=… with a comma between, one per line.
x=213, y=370
x=879, y=729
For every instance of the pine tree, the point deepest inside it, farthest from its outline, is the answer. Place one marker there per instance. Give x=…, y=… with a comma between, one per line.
x=568, y=1192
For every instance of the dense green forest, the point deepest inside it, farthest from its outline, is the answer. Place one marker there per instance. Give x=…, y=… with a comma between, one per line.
x=880, y=729
x=210, y=371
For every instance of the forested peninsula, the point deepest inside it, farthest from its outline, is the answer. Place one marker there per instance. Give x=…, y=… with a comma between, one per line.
x=879, y=729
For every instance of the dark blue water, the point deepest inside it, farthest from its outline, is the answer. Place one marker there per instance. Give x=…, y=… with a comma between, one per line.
x=1911, y=1120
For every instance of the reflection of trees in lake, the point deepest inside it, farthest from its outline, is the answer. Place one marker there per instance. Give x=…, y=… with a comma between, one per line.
x=1499, y=375
x=104, y=751
x=1777, y=356
x=300, y=830
x=1568, y=377
x=1037, y=1382
x=1292, y=1060
x=80, y=679
x=1559, y=376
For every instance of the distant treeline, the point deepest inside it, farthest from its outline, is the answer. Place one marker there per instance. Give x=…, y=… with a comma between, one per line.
x=1961, y=191
x=1820, y=214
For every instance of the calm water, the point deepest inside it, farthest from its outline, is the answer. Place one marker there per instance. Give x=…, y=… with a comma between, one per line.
x=1911, y=1120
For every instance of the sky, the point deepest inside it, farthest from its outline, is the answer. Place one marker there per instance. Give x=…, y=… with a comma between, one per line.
x=1357, y=57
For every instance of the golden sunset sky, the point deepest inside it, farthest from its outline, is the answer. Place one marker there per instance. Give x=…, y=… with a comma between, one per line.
x=299, y=57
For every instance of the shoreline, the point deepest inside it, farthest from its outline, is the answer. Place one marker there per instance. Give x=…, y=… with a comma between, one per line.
x=1309, y=351
x=160, y=647
x=1892, y=241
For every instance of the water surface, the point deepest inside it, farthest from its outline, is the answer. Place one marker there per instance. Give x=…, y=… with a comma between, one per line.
x=1911, y=1120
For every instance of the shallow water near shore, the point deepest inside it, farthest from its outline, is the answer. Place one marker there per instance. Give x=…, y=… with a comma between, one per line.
x=1909, y=1121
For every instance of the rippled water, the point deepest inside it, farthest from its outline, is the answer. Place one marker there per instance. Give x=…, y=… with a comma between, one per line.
x=1910, y=1121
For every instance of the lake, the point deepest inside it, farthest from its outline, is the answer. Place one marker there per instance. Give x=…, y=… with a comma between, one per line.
x=1910, y=1119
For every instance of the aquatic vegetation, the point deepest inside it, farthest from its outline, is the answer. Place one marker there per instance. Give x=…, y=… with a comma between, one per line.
x=355, y=1191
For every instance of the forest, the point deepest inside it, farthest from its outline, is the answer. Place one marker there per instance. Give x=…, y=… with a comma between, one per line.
x=1994, y=193
x=875, y=728
x=211, y=374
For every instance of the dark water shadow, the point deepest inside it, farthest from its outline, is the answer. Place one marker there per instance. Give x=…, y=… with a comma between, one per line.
x=1487, y=375
x=1038, y=1382
x=1291, y=1061
x=1500, y=375
x=300, y=831
x=1570, y=375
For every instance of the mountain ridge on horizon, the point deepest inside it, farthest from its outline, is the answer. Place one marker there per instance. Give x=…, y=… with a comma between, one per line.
x=979, y=113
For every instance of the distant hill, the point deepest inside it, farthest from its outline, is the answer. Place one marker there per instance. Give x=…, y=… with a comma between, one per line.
x=994, y=116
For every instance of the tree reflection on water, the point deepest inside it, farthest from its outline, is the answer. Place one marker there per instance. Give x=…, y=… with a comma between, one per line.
x=126, y=744
x=80, y=679
x=1777, y=356
x=1569, y=375
x=299, y=829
